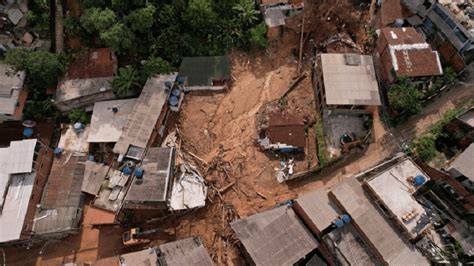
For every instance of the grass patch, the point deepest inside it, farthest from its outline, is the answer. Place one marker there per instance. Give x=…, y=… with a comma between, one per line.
x=322, y=158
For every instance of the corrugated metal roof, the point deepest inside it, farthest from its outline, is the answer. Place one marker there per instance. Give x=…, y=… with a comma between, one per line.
x=145, y=257
x=275, y=237
x=201, y=71
x=349, y=84
x=188, y=251
x=94, y=176
x=107, y=125
x=144, y=116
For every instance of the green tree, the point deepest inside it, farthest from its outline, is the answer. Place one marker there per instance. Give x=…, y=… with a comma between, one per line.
x=155, y=65
x=141, y=20
x=40, y=109
x=98, y=19
x=127, y=83
x=258, y=36
x=404, y=97
x=200, y=17
x=425, y=147
x=229, y=33
x=246, y=11
x=118, y=37
x=78, y=115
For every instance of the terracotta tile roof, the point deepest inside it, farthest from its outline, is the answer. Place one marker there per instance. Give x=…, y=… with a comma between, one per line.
x=95, y=63
x=407, y=35
x=392, y=10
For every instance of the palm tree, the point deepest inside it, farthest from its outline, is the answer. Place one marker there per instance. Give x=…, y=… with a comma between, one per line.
x=246, y=12
x=127, y=83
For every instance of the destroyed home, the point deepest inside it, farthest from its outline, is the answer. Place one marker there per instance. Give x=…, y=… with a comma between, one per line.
x=88, y=80
x=13, y=95
x=443, y=31
x=60, y=210
x=25, y=166
x=147, y=119
x=284, y=133
x=403, y=52
x=276, y=12
x=205, y=73
x=457, y=134
x=112, y=189
x=275, y=237
x=188, y=251
x=151, y=190
x=339, y=238
x=374, y=227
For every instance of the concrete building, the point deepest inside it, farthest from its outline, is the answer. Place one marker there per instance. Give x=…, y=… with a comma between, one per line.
x=403, y=52
x=211, y=73
x=25, y=166
x=275, y=237
x=462, y=168
x=13, y=95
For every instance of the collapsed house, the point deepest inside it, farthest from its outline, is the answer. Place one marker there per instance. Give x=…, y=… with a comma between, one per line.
x=209, y=73
x=88, y=80
x=188, y=251
x=275, y=237
x=25, y=166
x=403, y=52
x=284, y=133
x=13, y=95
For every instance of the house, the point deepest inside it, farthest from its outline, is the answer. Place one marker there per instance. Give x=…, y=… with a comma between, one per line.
x=390, y=13
x=188, y=251
x=276, y=12
x=24, y=169
x=88, y=80
x=454, y=43
x=345, y=81
x=275, y=237
x=205, y=73
x=462, y=168
x=109, y=119
x=152, y=190
x=403, y=52
x=285, y=133
x=393, y=190
x=342, y=243
x=147, y=118
x=60, y=211
x=13, y=95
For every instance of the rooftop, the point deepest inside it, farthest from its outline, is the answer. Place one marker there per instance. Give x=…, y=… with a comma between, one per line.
x=145, y=257
x=392, y=10
x=319, y=209
x=155, y=184
x=410, y=54
x=94, y=63
x=371, y=224
x=110, y=197
x=286, y=129
x=394, y=189
x=349, y=79
x=145, y=113
x=188, y=251
x=10, y=85
x=202, y=71
x=464, y=163
x=275, y=237
x=76, y=88
x=468, y=117
x=106, y=124
x=94, y=177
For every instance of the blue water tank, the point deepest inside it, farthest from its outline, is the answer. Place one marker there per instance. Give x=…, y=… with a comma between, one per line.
x=78, y=126
x=138, y=172
x=58, y=151
x=27, y=132
x=419, y=180
x=176, y=92
x=338, y=223
x=181, y=79
x=90, y=157
x=126, y=170
x=173, y=101
x=346, y=218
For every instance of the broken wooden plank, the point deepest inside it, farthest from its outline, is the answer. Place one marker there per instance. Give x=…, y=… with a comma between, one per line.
x=261, y=195
x=225, y=188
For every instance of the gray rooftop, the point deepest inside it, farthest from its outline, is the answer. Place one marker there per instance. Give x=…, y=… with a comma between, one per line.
x=94, y=176
x=188, y=251
x=349, y=79
x=146, y=257
x=463, y=164
x=11, y=83
x=202, y=71
x=155, y=184
x=77, y=88
x=145, y=113
x=275, y=237
x=319, y=209
x=468, y=117
x=107, y=125
x=389, y=245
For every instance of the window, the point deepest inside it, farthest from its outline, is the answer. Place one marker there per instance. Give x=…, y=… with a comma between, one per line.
x=440, y=12
x=461, y=36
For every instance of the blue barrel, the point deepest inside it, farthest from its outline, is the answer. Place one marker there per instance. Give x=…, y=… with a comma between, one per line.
x=346, y=218
x=338, y=223
x=27, y=132
x=78, y=126
x=58, y=151
x=126, y=170
x=173, y=101
x=168, y=84
x=138, y=172
x=419, y=180
x=176, y=92
x=90, y=157
x=181, y=79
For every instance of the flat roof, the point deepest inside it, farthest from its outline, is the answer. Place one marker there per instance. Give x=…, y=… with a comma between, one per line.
x=94, y=177
x=106, y=124
x=145, y=257
x=203, y=70
x=370, y=223
x=144, y=116
x=155, y=183
x=395, y=191
x=15, y=206
x=319, y=209
x=72, y=141
x=188, y=251
x=275, y=237
x=349, y=79
x=468, y=117
x=11, y=83
x=76, y=88
x=463, y=163
x=110, y=198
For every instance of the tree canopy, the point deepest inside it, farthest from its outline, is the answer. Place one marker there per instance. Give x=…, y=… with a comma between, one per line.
x=405, y=98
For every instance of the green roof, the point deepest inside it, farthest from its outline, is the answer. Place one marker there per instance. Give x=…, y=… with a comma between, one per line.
x=201, y=71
